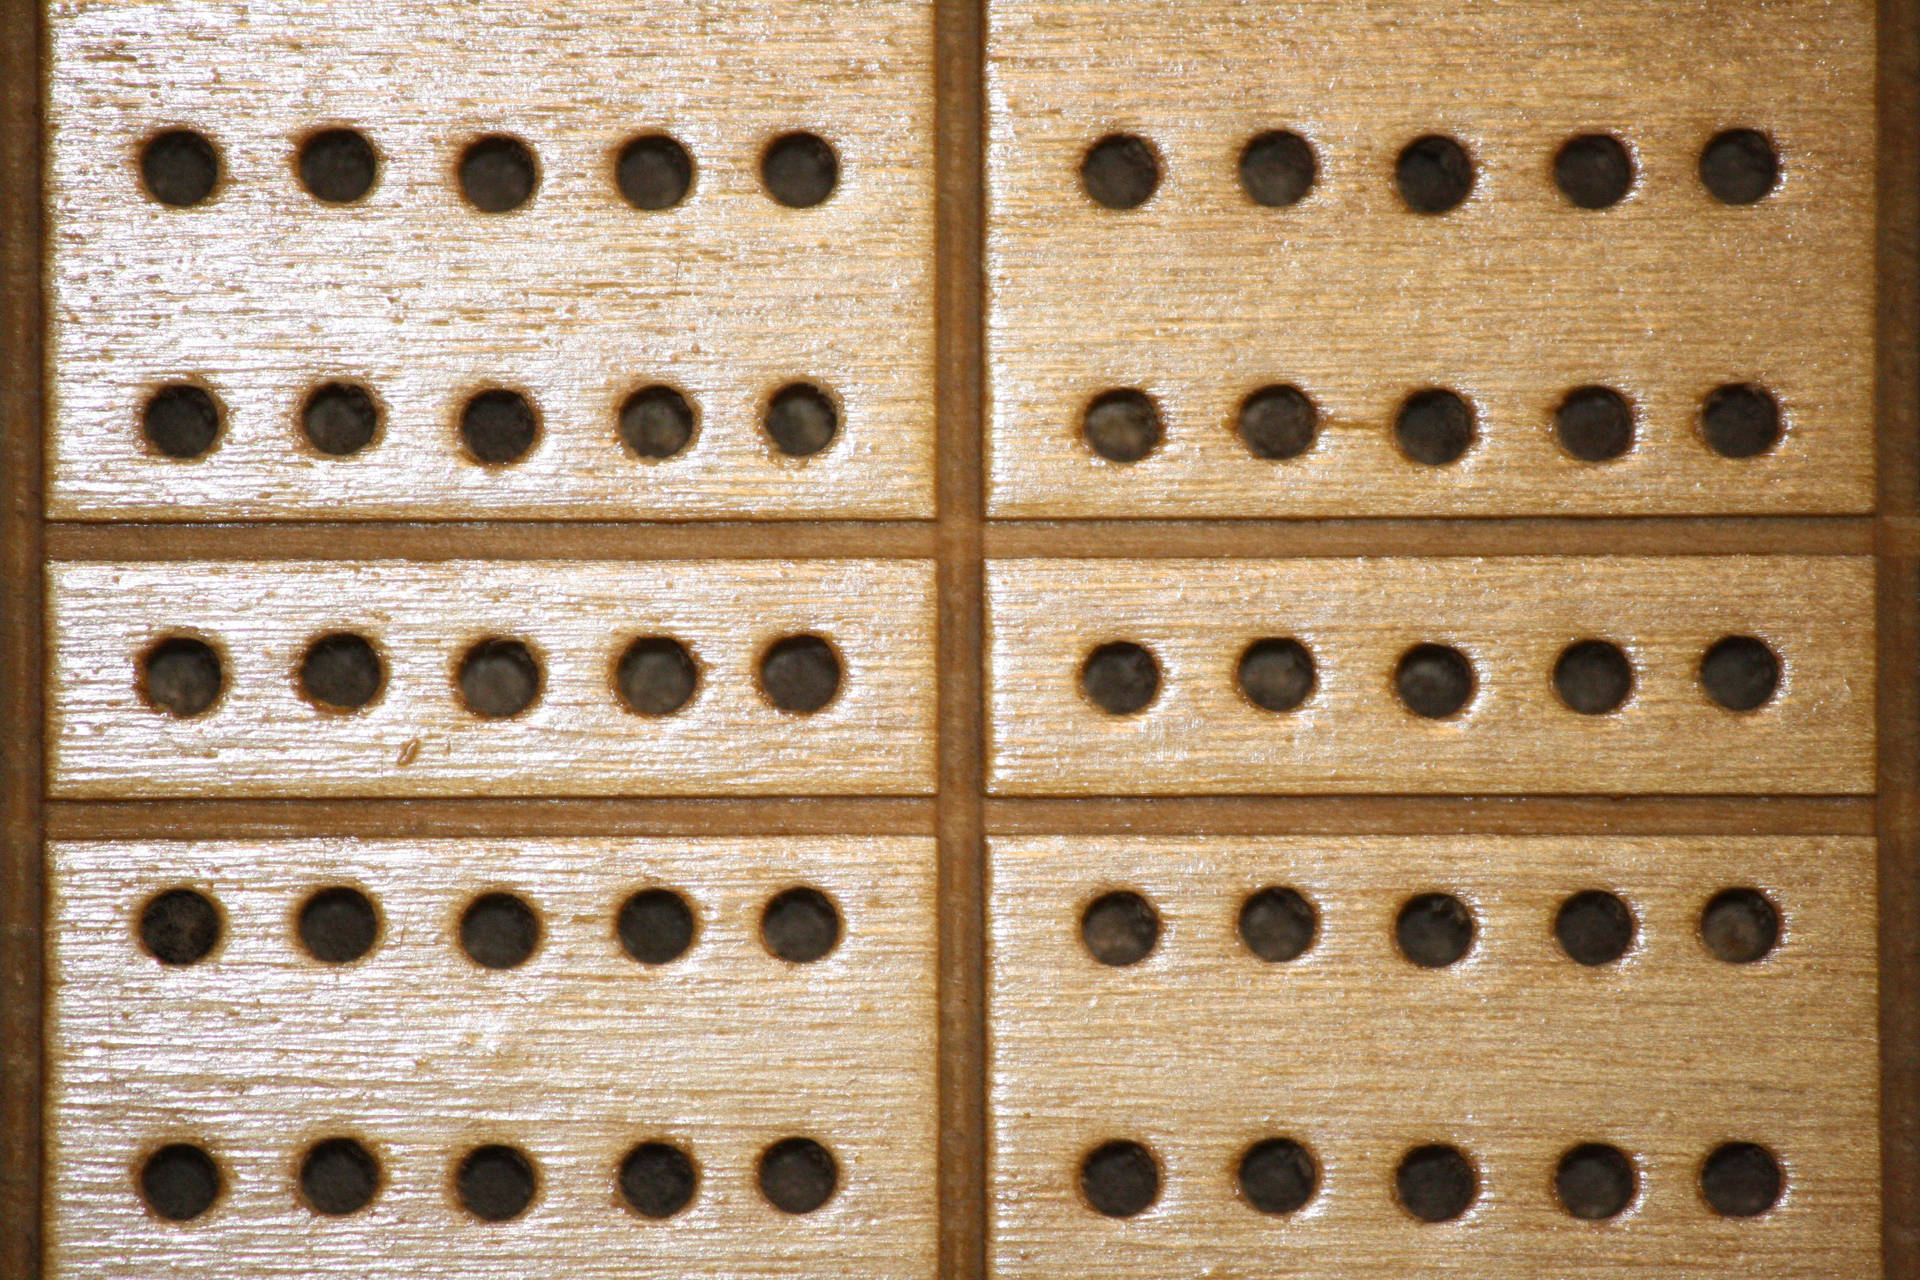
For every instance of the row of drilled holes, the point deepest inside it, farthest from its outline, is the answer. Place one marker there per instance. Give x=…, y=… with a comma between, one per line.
x=498, y=930
x=497, y=172
x=497, y=427
x=1435, y=426
x=1436, y=1183
x=1434, y=173
x=1434, y=930
x=498, y=678
x=495, y=1183
x=1435, y=681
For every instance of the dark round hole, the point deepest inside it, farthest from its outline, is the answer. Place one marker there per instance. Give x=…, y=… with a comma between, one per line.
x=1740, y=926
x=1119, y=1179
x=1278, y=924
x=800, y=925
x=1595, y=424
x=798, y=1175
x=1434, y=427
x=1120, y=171
x=1434, y=680
x=801, y=420
x=338, y=166
x=495, y=1183
x=342, y=671
x=338, y=925
x=180, y=927
x=1594, y=927
x=1434, y=174
x=339, y=1176
x=340, y=419
x=1434, y=930
x=655, y=926
x=657, y=1180
x=182, y=677
x=1741, y=1180
x=1594, y=170
x=1593, y=677
x=656, y=676
x=498, y=174
x=1276, y=674
x=657, y=422
x=800, y=674
x=1740, y=421
x=1595, y=1181
x=1122, y=426
x=180, y=1182
x=1278, y=423
x=1436, y=1183
x=1278, y=1176
x=800, y=170
x=1277, y=168
x=1120, y=928
x=1740, y=166
x=499, y=931
x=180, y=167
x=499, y=678
x=654, y=172
x=1121, y=678
x=1740, y=673
x=181, y=420
x=498, y=427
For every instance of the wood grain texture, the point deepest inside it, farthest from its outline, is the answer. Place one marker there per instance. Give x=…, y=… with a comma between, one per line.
x=1515, y=1054
x=1200, y=296
x=1512, y=618
x=577, y=297
x=574, y=1057
x=265, y=739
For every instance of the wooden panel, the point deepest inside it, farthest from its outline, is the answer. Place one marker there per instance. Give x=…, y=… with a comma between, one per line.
x=1514, y=1055
x=1511, y=618
x=417, y=738
x=577, y=298
x=1200, y=296
x=421, y=1054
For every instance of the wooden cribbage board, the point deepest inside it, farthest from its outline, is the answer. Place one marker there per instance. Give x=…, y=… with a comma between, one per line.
x=1059, y=822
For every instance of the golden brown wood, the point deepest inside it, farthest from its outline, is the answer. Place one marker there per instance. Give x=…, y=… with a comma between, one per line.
x=1512, y=618
x=1200, y=296
x=263, y=738
x=1514, y=1054
x=574, y=1057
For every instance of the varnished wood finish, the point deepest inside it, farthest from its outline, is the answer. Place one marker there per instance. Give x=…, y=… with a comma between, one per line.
x=265, y=739
x=574, y=1057
x=1515, y=1054
x=1512, y=618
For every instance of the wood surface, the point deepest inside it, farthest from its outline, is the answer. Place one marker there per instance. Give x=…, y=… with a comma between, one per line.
x=1200, y=297
x=264, y=739
x=577, y=297
x=1515, y=1054
x=574, y=1057
x=1512, y=617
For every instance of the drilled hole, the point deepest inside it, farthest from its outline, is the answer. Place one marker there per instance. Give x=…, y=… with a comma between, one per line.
x=1120, y=171
x=657, y=1180
x=1278, y=924
x=499, y=427
x=182, y=677
x=499, y=678
x=1595, y=1181
x=1740, y=420
x=1278, y=423
x=800, y=925
x=1434, y=427
x=498, y=174
x=656, y=422
x=1740, y=673
x=656, y=676
x=1434, y=174
x=1436, y=1183
x=338, y=166
x=1434, y=930
x=342, y=672
x=798, y=1175
x=499, y=931
x=1740, y=166
x=1278, y=1176
x=1122, y=426
x=180, y=1182
x=655, y=926
x=340, y=419
x=1120, y=678
x=1593, y=677
x=801, y=420
x=799, y=170
x=800, y=674
x=1120, y=1179
x=339, y=925
x=1120, y=928
x=180, y=927
x=1276, y=674
x=1434, y=680
x=180, y=167
x=1594, y=928
x=495, y=1183
x=1277, y=169
x=654, y=172
x=1594, y=171
x=1740, y=926
x=338, y=1177
x=181, y=421
x=1741, y=1180
x=1595, y=424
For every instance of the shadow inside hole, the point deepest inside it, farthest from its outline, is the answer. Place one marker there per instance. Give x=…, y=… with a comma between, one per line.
x=1277, y=169
x=180, y=168
x=657, y=422
x=342, y=672
x=658, y=1180
x=1278, y=1176
x=798, y=1175
x=1595, y=424
x=800, y=674
x=498, y=427
x=800, y=925
x=1120, y=678
x=1740, y=167
x=1595, y=1182
x=180, y=927
x=1593, y=677
x=1122, y=426
x=800, y=170
x=179, y=1182
x=801, y=420
x=1120, y=172
x=338, y=1177
x=1434, y=930
x=338, y=925
x=1594, y=928
x=1434, y=174
x=655, y=926
x=1740, y=926
x=1740, y=421
x=1434, y=681
x=1120, y=1179
x=181, y=421
x=499, y=931
x=340, y=419
x=656, y=676
x=1436, y=1183
x=1276, y=674
x=1120, y=928
x=499, y=679
x=1741, y=1180
x=1278, y=423
x=1740, y=673
x=1278, y=924
x=654, y=172
x=182, y=677
x=495, y=1183
x=1434, y=427
x=498, y=174
x=1594, y=171
x=338, y=166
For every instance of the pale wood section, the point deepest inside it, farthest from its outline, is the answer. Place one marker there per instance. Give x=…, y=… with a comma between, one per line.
x=575, y=1057
x=577, y=298
x=1201, y=296
x=264, y=739
x=1514, y=1055
x=1512, y=618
